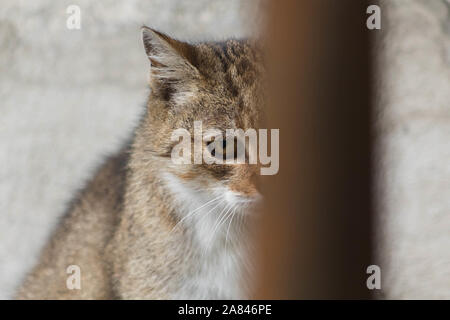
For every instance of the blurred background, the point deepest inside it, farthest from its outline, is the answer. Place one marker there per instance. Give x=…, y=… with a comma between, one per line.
x=70, y=97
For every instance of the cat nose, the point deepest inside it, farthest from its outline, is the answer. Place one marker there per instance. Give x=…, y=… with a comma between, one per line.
x=245, y=189
x=240, y=197
x=245, y=182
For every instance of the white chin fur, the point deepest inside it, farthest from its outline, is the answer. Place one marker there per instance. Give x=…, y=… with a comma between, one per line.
x=207, y=216
x=206, y=211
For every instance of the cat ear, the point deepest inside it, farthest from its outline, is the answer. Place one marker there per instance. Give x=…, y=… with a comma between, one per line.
x=171, y=60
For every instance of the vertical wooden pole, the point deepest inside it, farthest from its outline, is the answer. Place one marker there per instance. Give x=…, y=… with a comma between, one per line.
x=315, y=239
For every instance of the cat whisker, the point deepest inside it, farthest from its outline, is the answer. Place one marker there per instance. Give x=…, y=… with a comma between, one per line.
x=222, y=217
x=229, y=224
x=210, y=238
x=195, y=210
x=211, y=210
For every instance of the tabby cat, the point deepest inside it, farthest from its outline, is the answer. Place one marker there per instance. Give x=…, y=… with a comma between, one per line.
x=146, y=228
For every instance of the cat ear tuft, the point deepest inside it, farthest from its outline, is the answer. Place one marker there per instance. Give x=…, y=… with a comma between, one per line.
x=171, y=60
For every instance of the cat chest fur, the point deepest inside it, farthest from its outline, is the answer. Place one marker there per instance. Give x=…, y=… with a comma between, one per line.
x=217, y=266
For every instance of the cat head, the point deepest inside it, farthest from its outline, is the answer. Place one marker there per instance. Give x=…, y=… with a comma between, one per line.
x=215, y=83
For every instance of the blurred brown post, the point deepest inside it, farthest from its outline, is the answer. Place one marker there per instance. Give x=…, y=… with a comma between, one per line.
x=315, y=239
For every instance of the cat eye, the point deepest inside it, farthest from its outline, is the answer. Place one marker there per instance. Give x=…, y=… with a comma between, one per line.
x=219, y=150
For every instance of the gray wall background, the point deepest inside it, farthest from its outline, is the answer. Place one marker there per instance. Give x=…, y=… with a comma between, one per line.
x=414, y=152
x=67, y=98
